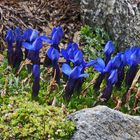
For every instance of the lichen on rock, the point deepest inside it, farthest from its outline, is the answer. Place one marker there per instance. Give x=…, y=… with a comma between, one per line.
x=121, y=19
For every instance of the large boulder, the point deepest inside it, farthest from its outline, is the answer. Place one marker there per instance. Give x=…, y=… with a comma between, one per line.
x=103, y=123
x=120, y=18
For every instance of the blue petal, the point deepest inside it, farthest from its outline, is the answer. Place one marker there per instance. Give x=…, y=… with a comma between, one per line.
x=53, y=54
x=27, y=34
x=123, y=59
x=116, y=62
x=57, y=35
x=100, y=65
x=91, y=63
x=78, y=58
x=83, y=75
x=75, y=73
x=108, y=67
x=113, y=78
x=34, y=35
x=59, y=30
x=109, y=48
x=64, y=54
x=73, y=47
x=37, y=44
x=49, y=52
x=66, y=69
x=55, y=38
x=18, y=33
x=36, y=71
x=133, y=58
x=28, y=46
x=53, y=31
x=10, y=36
x=46, y=39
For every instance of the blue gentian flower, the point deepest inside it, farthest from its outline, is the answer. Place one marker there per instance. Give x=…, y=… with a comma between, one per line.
x=30, y=35
x=36, y=80
x=33, y=49
x=10, y=40
x=109, y=50
x=72, y=54
x=121, y=73
x=114, y=63
x=133, y=60
x=53, y=55
x=73, y=75
x=112, y=79
x=18, y=55
x=78, y=58
x=56, y=36
x=99, y=66
x=132, y=57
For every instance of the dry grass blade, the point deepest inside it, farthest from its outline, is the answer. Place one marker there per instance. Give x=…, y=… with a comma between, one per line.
x=119, y=103
x=3, y=92
x=137, y=98
x=26, y=62
x=92, y=82
x=133, y=86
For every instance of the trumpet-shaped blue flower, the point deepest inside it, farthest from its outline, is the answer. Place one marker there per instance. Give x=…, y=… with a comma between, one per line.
x=113, y=78
x=53, y=55
x=132, y=56
x=72, y=54
x=114, y=63
x=56, y=36
x=18, y=54
x=33, y=51
x=109, y=50
x=73, y=75
x=121, y=73
x=10, y=40
x=133, y=59
x=99, y=66
x=30, y=35
x=36, y=80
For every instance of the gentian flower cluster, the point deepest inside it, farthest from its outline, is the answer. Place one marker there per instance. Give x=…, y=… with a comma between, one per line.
x=75, y=77
x=15, y=55
x=100, y=66
x=112, y=69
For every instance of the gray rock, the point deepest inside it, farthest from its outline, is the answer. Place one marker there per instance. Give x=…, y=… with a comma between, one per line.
x=103, y=123
x=120, y=18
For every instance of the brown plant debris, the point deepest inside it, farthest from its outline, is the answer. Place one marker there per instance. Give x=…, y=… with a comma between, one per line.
x=39, y=14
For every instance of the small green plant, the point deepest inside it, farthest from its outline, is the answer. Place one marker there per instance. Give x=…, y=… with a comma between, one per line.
x=94, y=41
x=21, y=118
